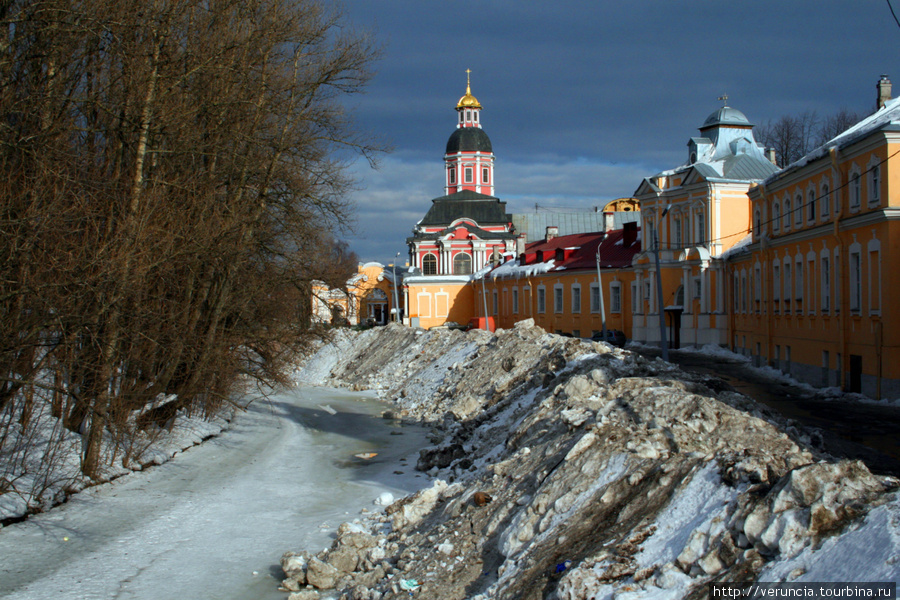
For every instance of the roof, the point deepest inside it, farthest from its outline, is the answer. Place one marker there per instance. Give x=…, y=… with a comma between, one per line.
x=534, y=225
x=884, y=119
x=469, y=139
x=726, y=116
x=574, y=252
x=481, y=208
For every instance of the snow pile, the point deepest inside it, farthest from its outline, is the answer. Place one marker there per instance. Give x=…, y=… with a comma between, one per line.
x=571, y=470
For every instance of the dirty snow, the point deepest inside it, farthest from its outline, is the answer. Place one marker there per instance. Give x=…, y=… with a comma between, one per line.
x=570, y=469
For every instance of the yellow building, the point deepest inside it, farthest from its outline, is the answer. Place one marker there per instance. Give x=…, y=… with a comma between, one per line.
x=692, y=214
x=810, y=291
x=367, y=298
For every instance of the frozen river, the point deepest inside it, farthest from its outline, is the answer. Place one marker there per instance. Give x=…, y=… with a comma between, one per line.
x=213, y=523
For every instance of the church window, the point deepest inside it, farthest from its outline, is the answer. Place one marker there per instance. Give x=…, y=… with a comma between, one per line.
x=462, y=264
x=468, y=115
x=452, y=175
x=476, y=116
x=485, y=175
x=468, y=173
x=429, y=264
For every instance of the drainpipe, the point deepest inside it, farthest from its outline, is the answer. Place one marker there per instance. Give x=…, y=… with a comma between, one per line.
x=838, y=217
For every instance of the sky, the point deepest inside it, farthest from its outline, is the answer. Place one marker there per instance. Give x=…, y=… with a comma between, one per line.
x=583, y=99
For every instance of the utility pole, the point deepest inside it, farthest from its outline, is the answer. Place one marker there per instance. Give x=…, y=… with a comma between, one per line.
x=600, y=291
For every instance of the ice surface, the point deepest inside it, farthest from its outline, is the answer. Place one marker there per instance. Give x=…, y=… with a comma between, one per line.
x=214, y=522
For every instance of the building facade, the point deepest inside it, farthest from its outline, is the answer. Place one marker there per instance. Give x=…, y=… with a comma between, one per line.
x=810, y=291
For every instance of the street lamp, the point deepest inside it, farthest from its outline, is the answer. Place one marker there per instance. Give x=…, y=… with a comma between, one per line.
x=663, y=343
x=396, y=310
x=600, y=291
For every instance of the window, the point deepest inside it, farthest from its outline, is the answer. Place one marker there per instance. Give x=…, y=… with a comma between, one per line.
x=787, y=286
x=798, y=287
x=787, y=214
x=485, y=175
x=635, y=304
x=541, y=300
x=798, y=210
x=811, y=206
x=776, y=286
x=558, y=298
x=462, y=264
x=757, y=284
x=678, y=233
x=429, y=264
x=874, y=183
x=595, y=298
x=874, y=277
x=452, y=175
x=576, y=299
x=826, y=199
x=701, y=228
x=854, y=191
x=515, y=300
x=825, y=277
x=776, y=217
x=468, y=115
x=698, y=288
x=468, y=172
x=526, y=296
x=494, y=302
x=855, y=282
x=615, y=297
x=757, y=222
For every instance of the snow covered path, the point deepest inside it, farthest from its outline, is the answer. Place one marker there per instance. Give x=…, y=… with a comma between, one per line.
x=213, y=522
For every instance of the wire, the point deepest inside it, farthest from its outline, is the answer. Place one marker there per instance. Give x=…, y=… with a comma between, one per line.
x=893, y=13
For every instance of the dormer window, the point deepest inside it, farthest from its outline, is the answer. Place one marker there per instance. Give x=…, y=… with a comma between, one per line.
x=693, y=157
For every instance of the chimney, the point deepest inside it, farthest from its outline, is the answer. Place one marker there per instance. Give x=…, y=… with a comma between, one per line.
x=884, y=91
x=629, y=235
x=770, y=154
x=552, y=232
x=608, y=221
x=520, y=245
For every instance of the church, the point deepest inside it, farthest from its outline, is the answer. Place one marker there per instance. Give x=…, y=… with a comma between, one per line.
x=463, y=231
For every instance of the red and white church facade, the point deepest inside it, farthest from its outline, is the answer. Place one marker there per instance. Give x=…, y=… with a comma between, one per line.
x=463, y=230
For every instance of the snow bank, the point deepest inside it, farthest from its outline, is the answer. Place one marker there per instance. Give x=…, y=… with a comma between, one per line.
x=569, y=469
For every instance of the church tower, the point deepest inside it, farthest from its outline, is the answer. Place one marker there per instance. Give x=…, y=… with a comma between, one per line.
x=469, y=158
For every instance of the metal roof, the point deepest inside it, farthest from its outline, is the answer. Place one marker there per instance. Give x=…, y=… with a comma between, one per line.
x=534, y=225
x=481, y=208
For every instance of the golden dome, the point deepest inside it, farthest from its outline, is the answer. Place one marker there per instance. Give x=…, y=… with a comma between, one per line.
x=468, y=101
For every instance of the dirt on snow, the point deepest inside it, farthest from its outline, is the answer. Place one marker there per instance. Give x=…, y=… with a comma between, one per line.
x=573, y=470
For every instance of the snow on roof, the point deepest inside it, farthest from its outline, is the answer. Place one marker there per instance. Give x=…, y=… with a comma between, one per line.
x=737, y=248
x=887, y=115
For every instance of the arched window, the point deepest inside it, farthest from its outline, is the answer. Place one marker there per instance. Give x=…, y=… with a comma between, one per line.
x=811, y=206
x=462, y=264
x=787, y=214
x=429, y=264
x=854, y=191
x=776, y=217
x=826, y=199
x=798, y=210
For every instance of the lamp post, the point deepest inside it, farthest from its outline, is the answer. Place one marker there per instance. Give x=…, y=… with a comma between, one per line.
x=663, y=343
x=600, y=292
x=396, y=310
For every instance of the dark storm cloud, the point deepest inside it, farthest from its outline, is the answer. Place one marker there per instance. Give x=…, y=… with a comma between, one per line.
x=608, y=84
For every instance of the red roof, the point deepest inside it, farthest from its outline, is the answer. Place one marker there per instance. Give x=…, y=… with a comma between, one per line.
x=579, y=251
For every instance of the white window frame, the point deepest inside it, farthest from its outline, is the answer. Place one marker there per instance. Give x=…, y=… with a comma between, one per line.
x=825, y=198
x=576, y=298
x=798, y=210
x=559, y=297
x=615, y=297
x=855, y=279
x=787, y=213
x=541, y=300
x=776, y=217
x=853, y=189
x=873, y=182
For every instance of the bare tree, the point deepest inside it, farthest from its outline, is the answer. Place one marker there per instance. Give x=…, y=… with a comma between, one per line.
x=172, y=171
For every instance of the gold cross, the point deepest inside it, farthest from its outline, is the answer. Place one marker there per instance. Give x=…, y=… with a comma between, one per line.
x=724, y=99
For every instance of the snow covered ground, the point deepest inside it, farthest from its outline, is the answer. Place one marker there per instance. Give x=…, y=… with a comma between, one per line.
x=213, y=523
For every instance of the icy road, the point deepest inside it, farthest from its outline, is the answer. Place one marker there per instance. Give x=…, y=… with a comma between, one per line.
x=213, y=523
